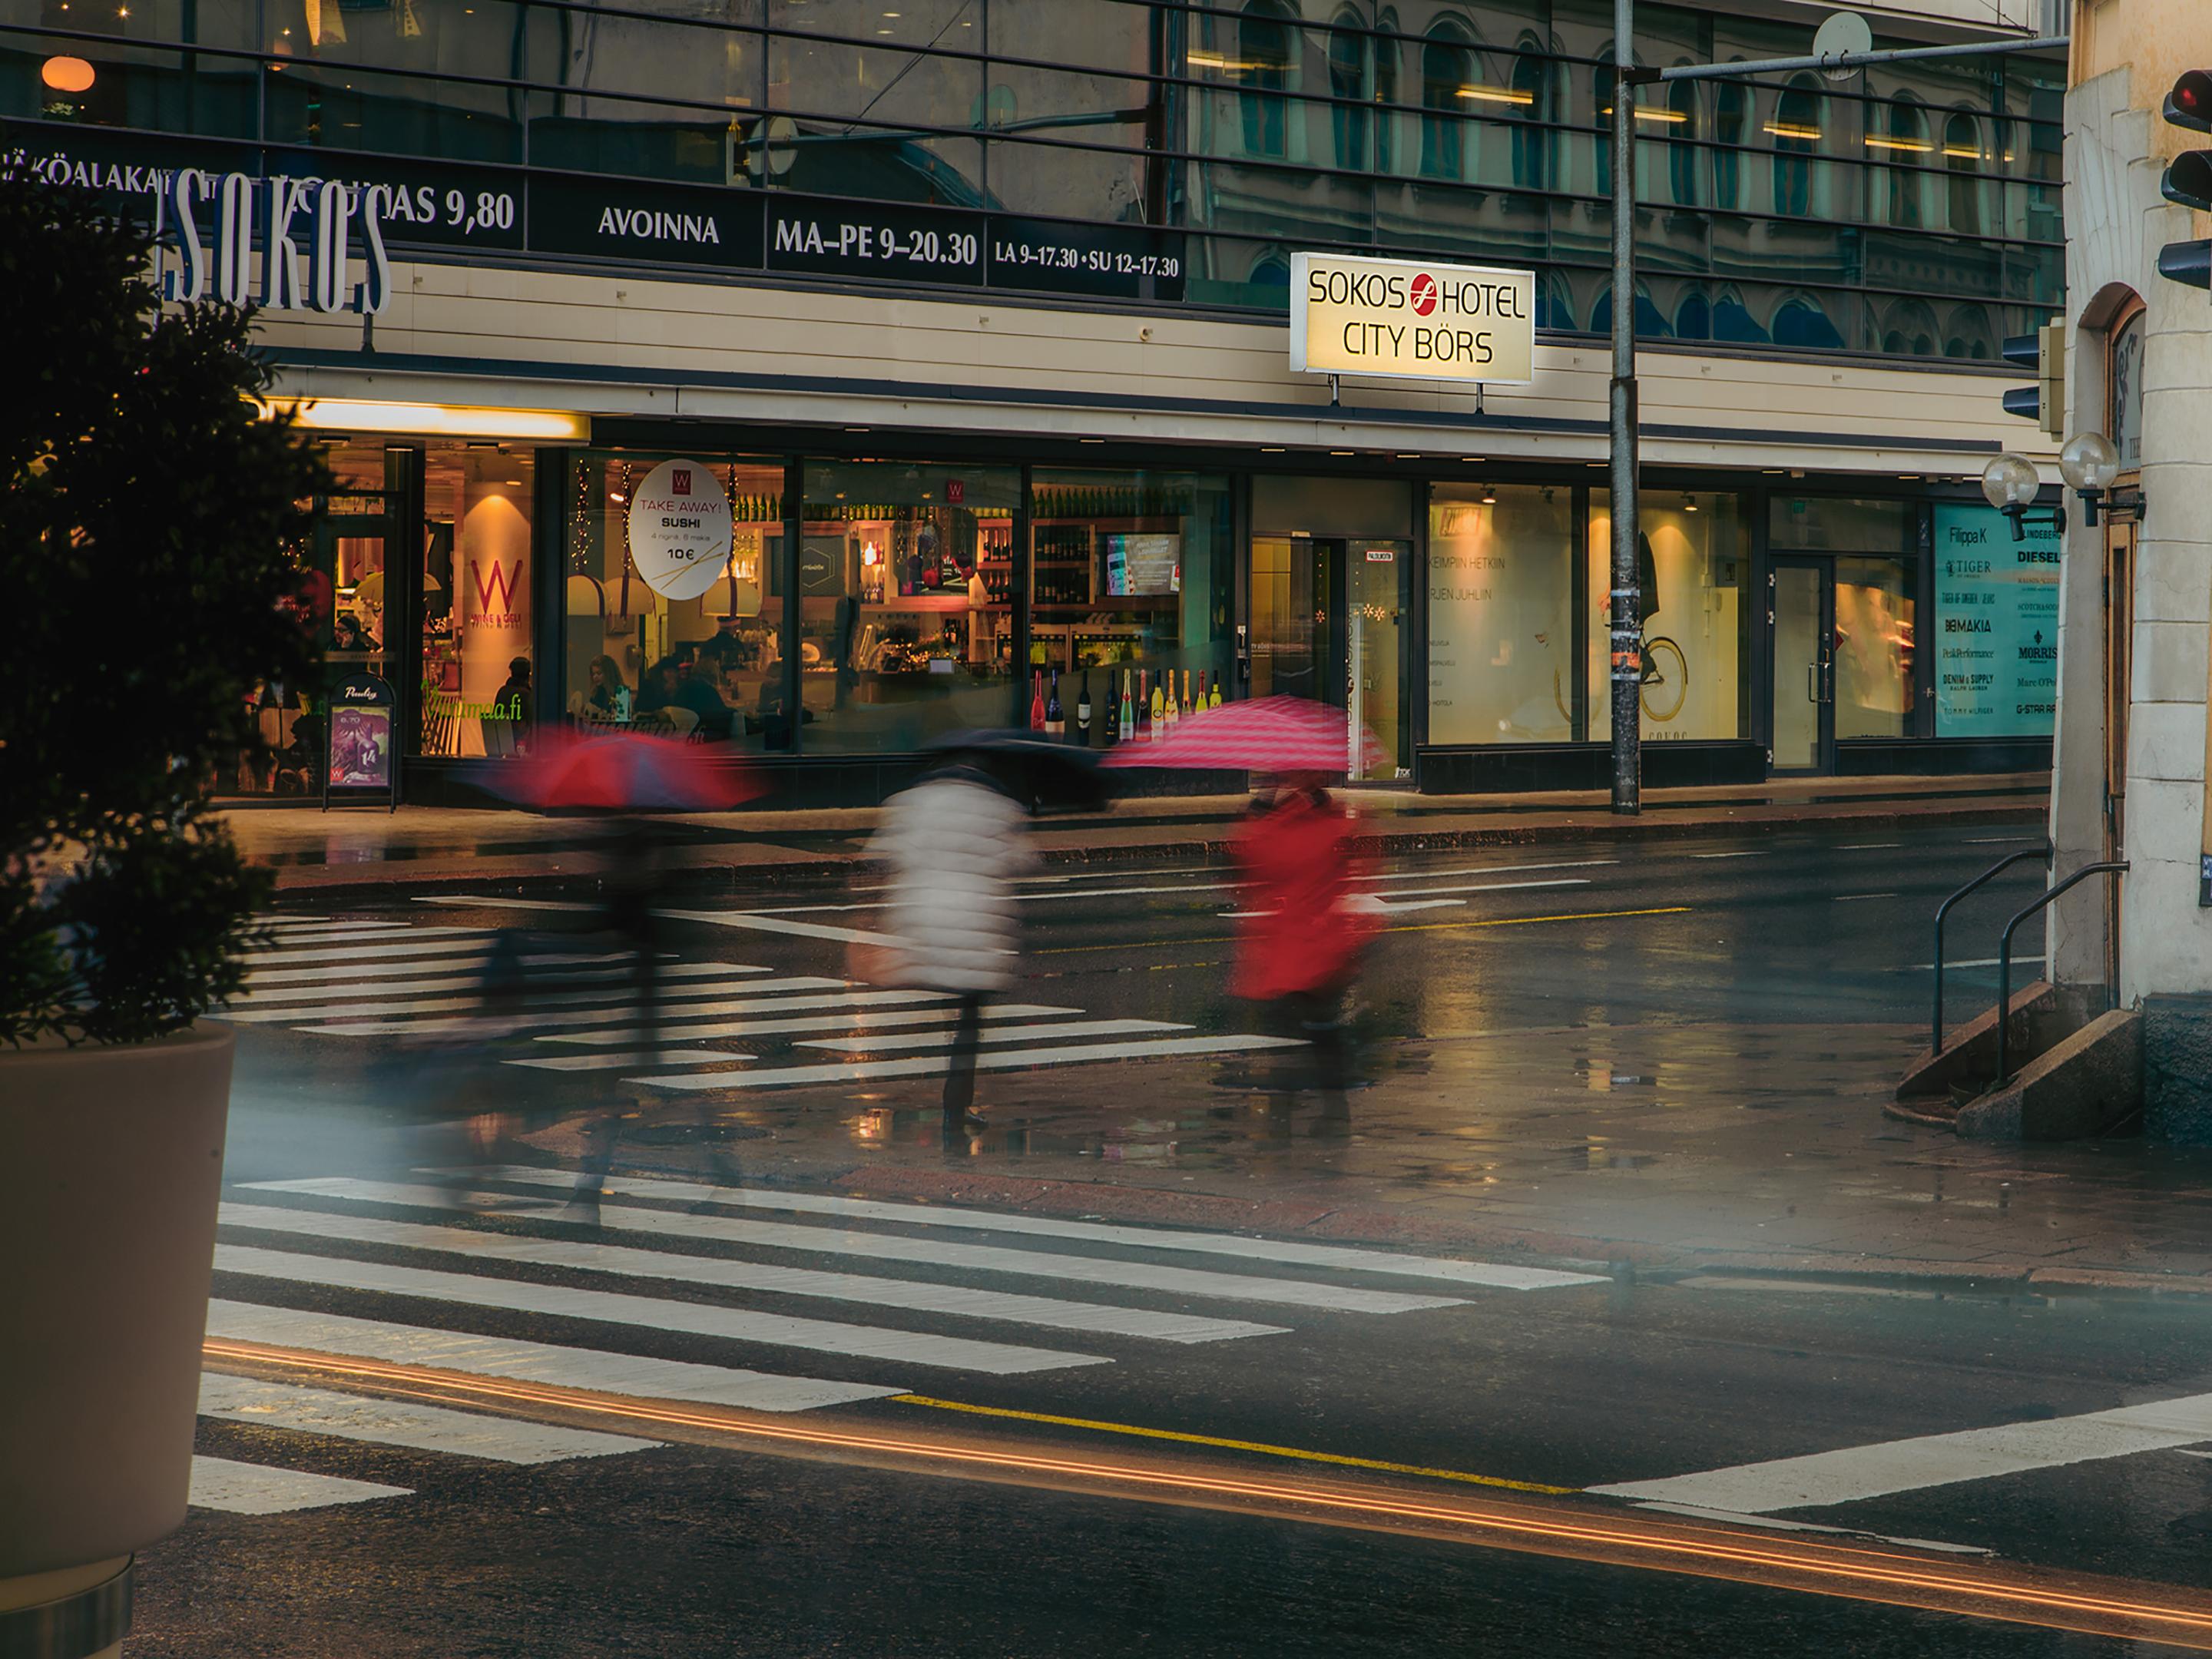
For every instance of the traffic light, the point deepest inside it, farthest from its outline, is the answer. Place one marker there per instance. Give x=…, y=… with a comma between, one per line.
x=2189, y=178
x=2044, y=351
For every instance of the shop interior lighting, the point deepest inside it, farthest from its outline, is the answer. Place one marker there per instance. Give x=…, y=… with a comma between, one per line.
x=1490, y=495
x=1498, y=96
x=1916, y=146
x=1689, y=502
x=1340, y=452
x=66, y=74
x=436, y=419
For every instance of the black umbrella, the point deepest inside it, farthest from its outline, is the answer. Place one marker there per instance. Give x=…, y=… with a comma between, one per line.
x=1050, y=774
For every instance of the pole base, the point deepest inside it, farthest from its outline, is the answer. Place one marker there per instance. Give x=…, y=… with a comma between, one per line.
x=73, y=1613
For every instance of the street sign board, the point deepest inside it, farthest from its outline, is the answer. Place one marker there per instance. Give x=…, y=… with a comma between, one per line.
x=1412, y=320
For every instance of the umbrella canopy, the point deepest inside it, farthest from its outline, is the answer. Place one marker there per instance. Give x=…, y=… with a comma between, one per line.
x=628, y=772
x=1266, y=734
x=1050, y=772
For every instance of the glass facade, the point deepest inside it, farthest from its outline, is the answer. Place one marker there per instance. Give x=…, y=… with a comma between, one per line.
x=1501, y=614
x=703, y=665
x=904, y=603
x=1693, y=561
x=1133, y=148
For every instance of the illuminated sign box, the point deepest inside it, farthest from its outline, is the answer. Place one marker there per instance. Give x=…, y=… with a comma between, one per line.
x=1412, y=320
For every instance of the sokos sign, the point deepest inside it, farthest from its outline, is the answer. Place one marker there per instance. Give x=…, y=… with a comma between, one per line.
x=1410, y=320
x=287, y=217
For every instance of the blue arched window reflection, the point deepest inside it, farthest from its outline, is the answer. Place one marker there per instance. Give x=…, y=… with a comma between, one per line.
x=1801, y=322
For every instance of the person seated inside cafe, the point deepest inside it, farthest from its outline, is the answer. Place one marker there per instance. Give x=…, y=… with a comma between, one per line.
x=675, y=681
x=606, y=697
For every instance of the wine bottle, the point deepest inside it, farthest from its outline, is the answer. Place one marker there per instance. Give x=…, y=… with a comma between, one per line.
x=1159, y=727
x=1056, y=718
x=1145, y=705
x=1127, y=727
x=1201, y=688
x=1186, y=694
x=1214, y=697
x=1169, y=716
x=1036, y=702
x=1083, y=712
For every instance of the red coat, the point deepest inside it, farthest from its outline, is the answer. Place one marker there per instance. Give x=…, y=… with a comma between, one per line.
x=1298, y=935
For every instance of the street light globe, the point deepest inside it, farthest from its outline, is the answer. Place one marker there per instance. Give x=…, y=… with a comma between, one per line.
x=2089, y=461
x=2010, y=481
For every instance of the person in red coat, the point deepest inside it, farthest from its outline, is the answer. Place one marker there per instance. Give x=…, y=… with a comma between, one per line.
x=1300, y=942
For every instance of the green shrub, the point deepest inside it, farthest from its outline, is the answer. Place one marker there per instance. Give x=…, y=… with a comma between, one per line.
x=145, y=514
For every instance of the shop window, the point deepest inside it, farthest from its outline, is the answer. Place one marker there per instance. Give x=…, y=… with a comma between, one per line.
x=1875, y=687
x=1447, y=67
x=1962, y=160
x=478, y=666
x=1263, y=70
x=1532, y=135
x=1796, y=132
x=1995, y=638
x=647, y=649
x=1130, y=592
x=1501, y=614
x=905, y=603
x=1832, y=523
x=1347, y=86
x=1693, y=568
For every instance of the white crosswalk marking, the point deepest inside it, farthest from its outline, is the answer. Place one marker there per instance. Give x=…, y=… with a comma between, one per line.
x=594, y=1368
x=614, y=1307
x=680, y=1027
x=365, y=978
x=400, y=1423
x=917, y=1295
x=931, y=1065
x=933, y=1252
x=1856, y=1472
x=754, y=1002
x=871, y=1042
x=531, y=1005
x=1288, y=1252
x=258, y=1489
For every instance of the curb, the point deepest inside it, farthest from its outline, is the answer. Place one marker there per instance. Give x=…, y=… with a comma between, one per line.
x=805, y=870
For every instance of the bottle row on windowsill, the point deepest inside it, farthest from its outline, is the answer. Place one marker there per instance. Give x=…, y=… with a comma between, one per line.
x=1140, y=705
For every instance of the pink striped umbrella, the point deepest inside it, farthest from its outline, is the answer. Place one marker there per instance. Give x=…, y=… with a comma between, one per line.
x=1266, y=734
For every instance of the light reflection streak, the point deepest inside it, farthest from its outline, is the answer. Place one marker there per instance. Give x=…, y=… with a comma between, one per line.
x=2018, y=1596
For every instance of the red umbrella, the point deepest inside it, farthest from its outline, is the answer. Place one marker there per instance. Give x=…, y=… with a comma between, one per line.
x=630, y=772
x=1266, y=734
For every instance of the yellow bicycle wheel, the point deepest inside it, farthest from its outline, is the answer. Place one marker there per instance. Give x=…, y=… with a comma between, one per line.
x=1666, y=679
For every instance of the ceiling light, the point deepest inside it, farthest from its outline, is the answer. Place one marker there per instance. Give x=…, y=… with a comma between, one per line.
x=1340, y=452
x=1793, y=130
x=1916, y=146
x=1498, y=96
x=66, y=74
x=1689, y=503
x=358, y=414
x=1490, y=495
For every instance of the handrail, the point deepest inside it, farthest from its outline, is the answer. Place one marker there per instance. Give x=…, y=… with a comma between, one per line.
x=2045, y=853
x=2114, y=868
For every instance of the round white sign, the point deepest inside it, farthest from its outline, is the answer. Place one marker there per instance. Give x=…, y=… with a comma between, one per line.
x=679, y=529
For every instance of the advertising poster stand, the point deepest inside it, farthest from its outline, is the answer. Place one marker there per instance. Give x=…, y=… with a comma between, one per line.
x=358, y=762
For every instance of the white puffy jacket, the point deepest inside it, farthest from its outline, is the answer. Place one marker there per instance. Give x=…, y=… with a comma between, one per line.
x=954, y=845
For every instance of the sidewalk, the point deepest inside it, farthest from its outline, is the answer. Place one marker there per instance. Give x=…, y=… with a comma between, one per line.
x=359, y=850
x=1658, y=1149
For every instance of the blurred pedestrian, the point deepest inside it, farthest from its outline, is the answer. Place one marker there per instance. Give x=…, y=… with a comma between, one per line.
x=955, y=843
x=1300, y=942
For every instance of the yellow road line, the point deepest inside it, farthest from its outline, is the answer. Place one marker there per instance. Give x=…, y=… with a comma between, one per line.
x=1233, y=1445
x=1414, y=928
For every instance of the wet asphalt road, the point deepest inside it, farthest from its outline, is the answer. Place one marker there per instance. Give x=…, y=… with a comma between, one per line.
x=1571, y=1385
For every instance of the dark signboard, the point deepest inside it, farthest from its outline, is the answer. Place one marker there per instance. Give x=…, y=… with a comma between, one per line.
x=432, y=204
x=1112, y=262
x=453, y=206
x=828, y=237
x=360, y=751
x=651, y=224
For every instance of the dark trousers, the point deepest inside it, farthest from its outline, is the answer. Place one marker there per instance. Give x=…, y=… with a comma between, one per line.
x=967, y=1038
x=1320, y=1017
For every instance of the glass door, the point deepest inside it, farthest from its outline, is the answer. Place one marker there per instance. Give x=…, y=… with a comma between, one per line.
x=1298, y=618
x=1375, y=574
x=1801, y=625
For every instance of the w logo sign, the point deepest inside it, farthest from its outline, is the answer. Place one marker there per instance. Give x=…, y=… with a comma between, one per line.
x=680, y=481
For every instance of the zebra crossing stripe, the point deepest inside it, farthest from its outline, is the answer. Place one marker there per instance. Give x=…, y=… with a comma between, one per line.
x=1286, y=1252
x=535, y=1000
x=617, y=1060
x=618, y=1217
x=785, y=1077
x=871, y=1041
x=414, y=946
x=619, y=981
x=599, y=1370
x=649, y=1313
x=576, y=965
x=217, y=1483
x=520, y=1021
x=919, y=1295
x=400, y=1423
x=371, y=931
x=680, y=1027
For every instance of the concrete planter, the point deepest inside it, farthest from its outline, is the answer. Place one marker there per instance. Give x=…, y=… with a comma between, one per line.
x=113, y=1164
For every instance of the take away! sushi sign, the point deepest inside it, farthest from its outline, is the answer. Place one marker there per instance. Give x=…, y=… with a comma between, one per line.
x=1412, y=320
